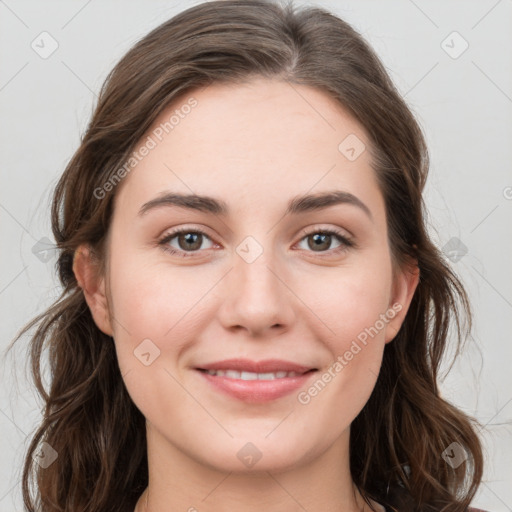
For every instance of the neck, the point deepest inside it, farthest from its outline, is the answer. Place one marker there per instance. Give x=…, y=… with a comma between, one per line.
x=178, y=481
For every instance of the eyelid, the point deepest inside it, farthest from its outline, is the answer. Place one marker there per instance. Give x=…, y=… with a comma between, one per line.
x=324, y=228
x=185, y=228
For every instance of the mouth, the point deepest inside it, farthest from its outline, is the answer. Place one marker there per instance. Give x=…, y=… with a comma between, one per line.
x=244, y=375
x=255, y=387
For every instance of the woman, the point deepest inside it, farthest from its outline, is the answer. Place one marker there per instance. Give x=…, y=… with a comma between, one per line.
x=253, y=312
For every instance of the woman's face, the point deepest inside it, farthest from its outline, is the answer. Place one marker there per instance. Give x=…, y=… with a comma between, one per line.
x=265, y=270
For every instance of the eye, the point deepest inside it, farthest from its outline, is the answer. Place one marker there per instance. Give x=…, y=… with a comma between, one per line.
x=321, y=241
x=186, y=241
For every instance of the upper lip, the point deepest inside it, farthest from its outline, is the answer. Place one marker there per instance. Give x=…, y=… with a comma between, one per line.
x=264, y=366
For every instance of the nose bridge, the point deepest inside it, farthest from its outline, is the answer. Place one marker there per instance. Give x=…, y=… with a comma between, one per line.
x=257, y=298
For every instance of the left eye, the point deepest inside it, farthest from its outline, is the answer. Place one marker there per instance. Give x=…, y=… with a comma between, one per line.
x=320, y=240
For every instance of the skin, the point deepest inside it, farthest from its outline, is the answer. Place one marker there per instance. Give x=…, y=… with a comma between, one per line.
x=254, y=146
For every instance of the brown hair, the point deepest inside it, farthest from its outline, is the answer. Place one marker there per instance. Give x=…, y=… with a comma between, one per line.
x=398, y=439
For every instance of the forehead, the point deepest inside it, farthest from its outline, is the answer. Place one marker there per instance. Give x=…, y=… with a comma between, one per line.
x=261, y=141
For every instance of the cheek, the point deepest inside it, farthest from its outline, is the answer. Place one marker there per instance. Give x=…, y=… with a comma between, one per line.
x=156, y=303
x=349, y=300
x=353, y=305
x=157, y=313
x=354, y=325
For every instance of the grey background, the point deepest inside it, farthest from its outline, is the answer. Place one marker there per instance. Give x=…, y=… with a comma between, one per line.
x=463, y=102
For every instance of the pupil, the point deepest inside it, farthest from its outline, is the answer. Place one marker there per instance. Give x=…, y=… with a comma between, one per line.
x=320, y=239
x=190, y=238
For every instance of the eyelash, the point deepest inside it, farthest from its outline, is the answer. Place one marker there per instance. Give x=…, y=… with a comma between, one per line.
x=346, y=243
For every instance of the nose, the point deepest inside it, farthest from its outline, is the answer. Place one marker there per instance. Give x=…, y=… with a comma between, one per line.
x=257, y=298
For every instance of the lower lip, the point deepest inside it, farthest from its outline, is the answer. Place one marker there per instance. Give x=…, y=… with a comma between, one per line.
x=257, y=391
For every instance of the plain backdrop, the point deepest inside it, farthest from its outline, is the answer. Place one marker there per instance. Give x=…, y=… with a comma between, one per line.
x=450, y=59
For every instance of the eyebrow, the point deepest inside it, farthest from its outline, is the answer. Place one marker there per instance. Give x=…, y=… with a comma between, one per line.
x=297, y=205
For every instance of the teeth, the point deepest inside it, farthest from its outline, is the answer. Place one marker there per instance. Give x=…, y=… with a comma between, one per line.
x=247, y=376
x=233, y=374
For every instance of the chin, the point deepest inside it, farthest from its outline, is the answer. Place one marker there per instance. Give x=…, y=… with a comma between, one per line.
x=253, y=454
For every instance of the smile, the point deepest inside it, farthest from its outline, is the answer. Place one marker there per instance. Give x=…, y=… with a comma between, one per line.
x=234, y=374
x=254, y=388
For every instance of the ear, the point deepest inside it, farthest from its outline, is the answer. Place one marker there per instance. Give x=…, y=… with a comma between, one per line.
x=405, y=281
x=85, y=268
